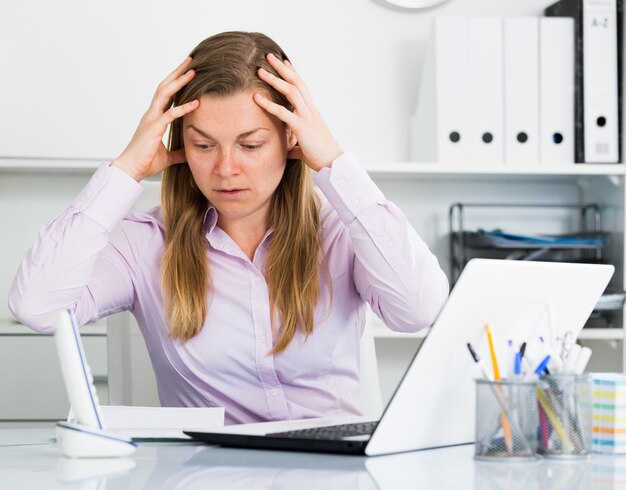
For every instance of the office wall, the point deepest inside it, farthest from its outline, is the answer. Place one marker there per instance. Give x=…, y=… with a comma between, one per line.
x=77, y=75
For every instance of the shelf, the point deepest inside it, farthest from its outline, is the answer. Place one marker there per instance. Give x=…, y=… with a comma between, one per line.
x=385, y=169
x=436, y=169
x=384, y=333
x=585, y=334
x=601, y=334
x=60, y=165
x=11, y=327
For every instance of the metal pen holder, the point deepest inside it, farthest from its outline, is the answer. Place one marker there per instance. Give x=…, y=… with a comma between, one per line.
x=564, y=407
x=506, y=420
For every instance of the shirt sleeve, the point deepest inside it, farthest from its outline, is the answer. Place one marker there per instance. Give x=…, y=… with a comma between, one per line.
x=394, y=270
x=73, y=257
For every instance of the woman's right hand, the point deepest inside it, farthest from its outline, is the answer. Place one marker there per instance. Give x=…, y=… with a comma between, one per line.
x=146, y=154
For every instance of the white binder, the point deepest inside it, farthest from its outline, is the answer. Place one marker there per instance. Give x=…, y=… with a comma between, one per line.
x=556, y=92
x=440, y=122
x=521, y=90
x=600, y=81
x=485, y=133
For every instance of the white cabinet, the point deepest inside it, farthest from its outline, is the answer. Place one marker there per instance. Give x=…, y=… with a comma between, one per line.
x=31, y=383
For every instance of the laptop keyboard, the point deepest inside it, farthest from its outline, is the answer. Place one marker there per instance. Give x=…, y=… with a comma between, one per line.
x=330, y=431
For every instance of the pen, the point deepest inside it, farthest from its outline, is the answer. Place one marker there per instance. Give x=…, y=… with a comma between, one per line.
x=539, y=370
x=506, y=425
x=525, y=363
x=555, y=360
x=510, y=360
x=492, y=351
x=480, y=363
x=543, y=366
x=517, y=368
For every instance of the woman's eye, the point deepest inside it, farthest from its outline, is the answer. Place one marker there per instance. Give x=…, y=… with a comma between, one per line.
x=203, y=147
x=251, y=147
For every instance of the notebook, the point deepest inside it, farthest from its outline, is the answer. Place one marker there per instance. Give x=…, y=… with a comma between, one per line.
x=433, y=406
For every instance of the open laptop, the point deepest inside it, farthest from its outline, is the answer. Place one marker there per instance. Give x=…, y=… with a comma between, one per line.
x=434, y=404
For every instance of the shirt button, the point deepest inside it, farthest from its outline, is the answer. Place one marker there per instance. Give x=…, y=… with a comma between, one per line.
x=81, y=199
x=257, y=280
x=382, y=239
x=355, y=200
x=274, y=392
x=342, y=182
x=263, y=338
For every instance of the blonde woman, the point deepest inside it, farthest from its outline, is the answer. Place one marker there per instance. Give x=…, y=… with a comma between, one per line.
x=250, y=286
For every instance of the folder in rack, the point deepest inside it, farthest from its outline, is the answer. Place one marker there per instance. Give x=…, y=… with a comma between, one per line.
x=556, y=90
x=486, y=91
x=439, y=126
x=598, y=76
x=521, y=90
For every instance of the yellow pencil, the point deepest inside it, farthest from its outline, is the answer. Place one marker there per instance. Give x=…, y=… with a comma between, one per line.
x=504, y=420
x=492, y=351
x=554, y=420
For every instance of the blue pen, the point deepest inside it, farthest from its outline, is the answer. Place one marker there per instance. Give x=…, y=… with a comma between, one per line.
x=542, y=365
x=541, y=368
x=518, y=364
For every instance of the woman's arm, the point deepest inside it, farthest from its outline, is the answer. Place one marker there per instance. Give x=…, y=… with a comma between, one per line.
x=394, y=271
x=74, y=263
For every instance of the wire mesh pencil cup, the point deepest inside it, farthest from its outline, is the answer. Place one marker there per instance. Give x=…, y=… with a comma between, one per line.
x=506, y=420
x=564, y=407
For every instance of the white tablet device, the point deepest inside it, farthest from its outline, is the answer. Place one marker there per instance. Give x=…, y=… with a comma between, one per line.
x=86, y=438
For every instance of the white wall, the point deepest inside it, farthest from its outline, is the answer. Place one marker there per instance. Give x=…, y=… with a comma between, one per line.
x=78, y=75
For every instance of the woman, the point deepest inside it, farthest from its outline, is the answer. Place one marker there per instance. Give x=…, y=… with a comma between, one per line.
x=249, y=286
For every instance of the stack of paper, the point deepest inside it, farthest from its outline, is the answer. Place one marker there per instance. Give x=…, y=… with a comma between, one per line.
x=160, y=422
x=609, y=413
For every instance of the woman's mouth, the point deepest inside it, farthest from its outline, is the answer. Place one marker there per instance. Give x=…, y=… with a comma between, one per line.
x=231, y=193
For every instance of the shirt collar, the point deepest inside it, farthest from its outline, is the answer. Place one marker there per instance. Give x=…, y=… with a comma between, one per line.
x=210, y=223
x=210, y=219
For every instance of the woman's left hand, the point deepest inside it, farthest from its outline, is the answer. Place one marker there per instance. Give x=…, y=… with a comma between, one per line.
x=316, y=145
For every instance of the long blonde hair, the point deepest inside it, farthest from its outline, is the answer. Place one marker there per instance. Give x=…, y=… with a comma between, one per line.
x=227, y=64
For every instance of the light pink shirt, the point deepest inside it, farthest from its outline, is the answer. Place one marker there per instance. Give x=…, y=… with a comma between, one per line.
x=98, y=259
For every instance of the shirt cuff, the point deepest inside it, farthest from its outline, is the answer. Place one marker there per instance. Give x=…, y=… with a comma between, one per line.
x=108, y=197
x=348, y=187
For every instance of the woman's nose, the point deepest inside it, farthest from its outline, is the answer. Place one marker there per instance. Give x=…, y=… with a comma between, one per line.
x=227, y=163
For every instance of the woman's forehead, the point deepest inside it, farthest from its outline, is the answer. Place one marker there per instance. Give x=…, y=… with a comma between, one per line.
x=230, y=116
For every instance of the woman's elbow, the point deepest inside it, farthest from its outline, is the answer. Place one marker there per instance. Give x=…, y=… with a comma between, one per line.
x=24, y=310
x=430, y=303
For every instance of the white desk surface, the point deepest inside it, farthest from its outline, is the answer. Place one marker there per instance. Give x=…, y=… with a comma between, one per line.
x=29, y=460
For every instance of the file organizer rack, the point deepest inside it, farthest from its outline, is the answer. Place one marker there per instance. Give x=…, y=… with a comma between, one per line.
x=462, y=240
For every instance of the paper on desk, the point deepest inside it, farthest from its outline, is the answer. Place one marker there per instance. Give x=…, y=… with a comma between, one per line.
x=159, y=422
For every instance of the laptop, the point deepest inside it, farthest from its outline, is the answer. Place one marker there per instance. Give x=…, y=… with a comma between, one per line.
x=434, y=404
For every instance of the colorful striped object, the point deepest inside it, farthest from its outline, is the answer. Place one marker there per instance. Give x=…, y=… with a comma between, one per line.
x=609, y=413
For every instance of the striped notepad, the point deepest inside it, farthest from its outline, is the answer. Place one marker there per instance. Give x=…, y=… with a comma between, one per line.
x=609, y=413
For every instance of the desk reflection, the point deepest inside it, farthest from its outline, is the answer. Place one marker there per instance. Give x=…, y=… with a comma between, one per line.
x=198, y=466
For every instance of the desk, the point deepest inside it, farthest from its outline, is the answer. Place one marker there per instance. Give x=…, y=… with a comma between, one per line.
x=29, y=460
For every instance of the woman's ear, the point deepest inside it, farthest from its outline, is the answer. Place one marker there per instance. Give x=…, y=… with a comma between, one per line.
x=291, y=139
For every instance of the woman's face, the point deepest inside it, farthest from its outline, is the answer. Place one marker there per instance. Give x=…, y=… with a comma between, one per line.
x=237, y=154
